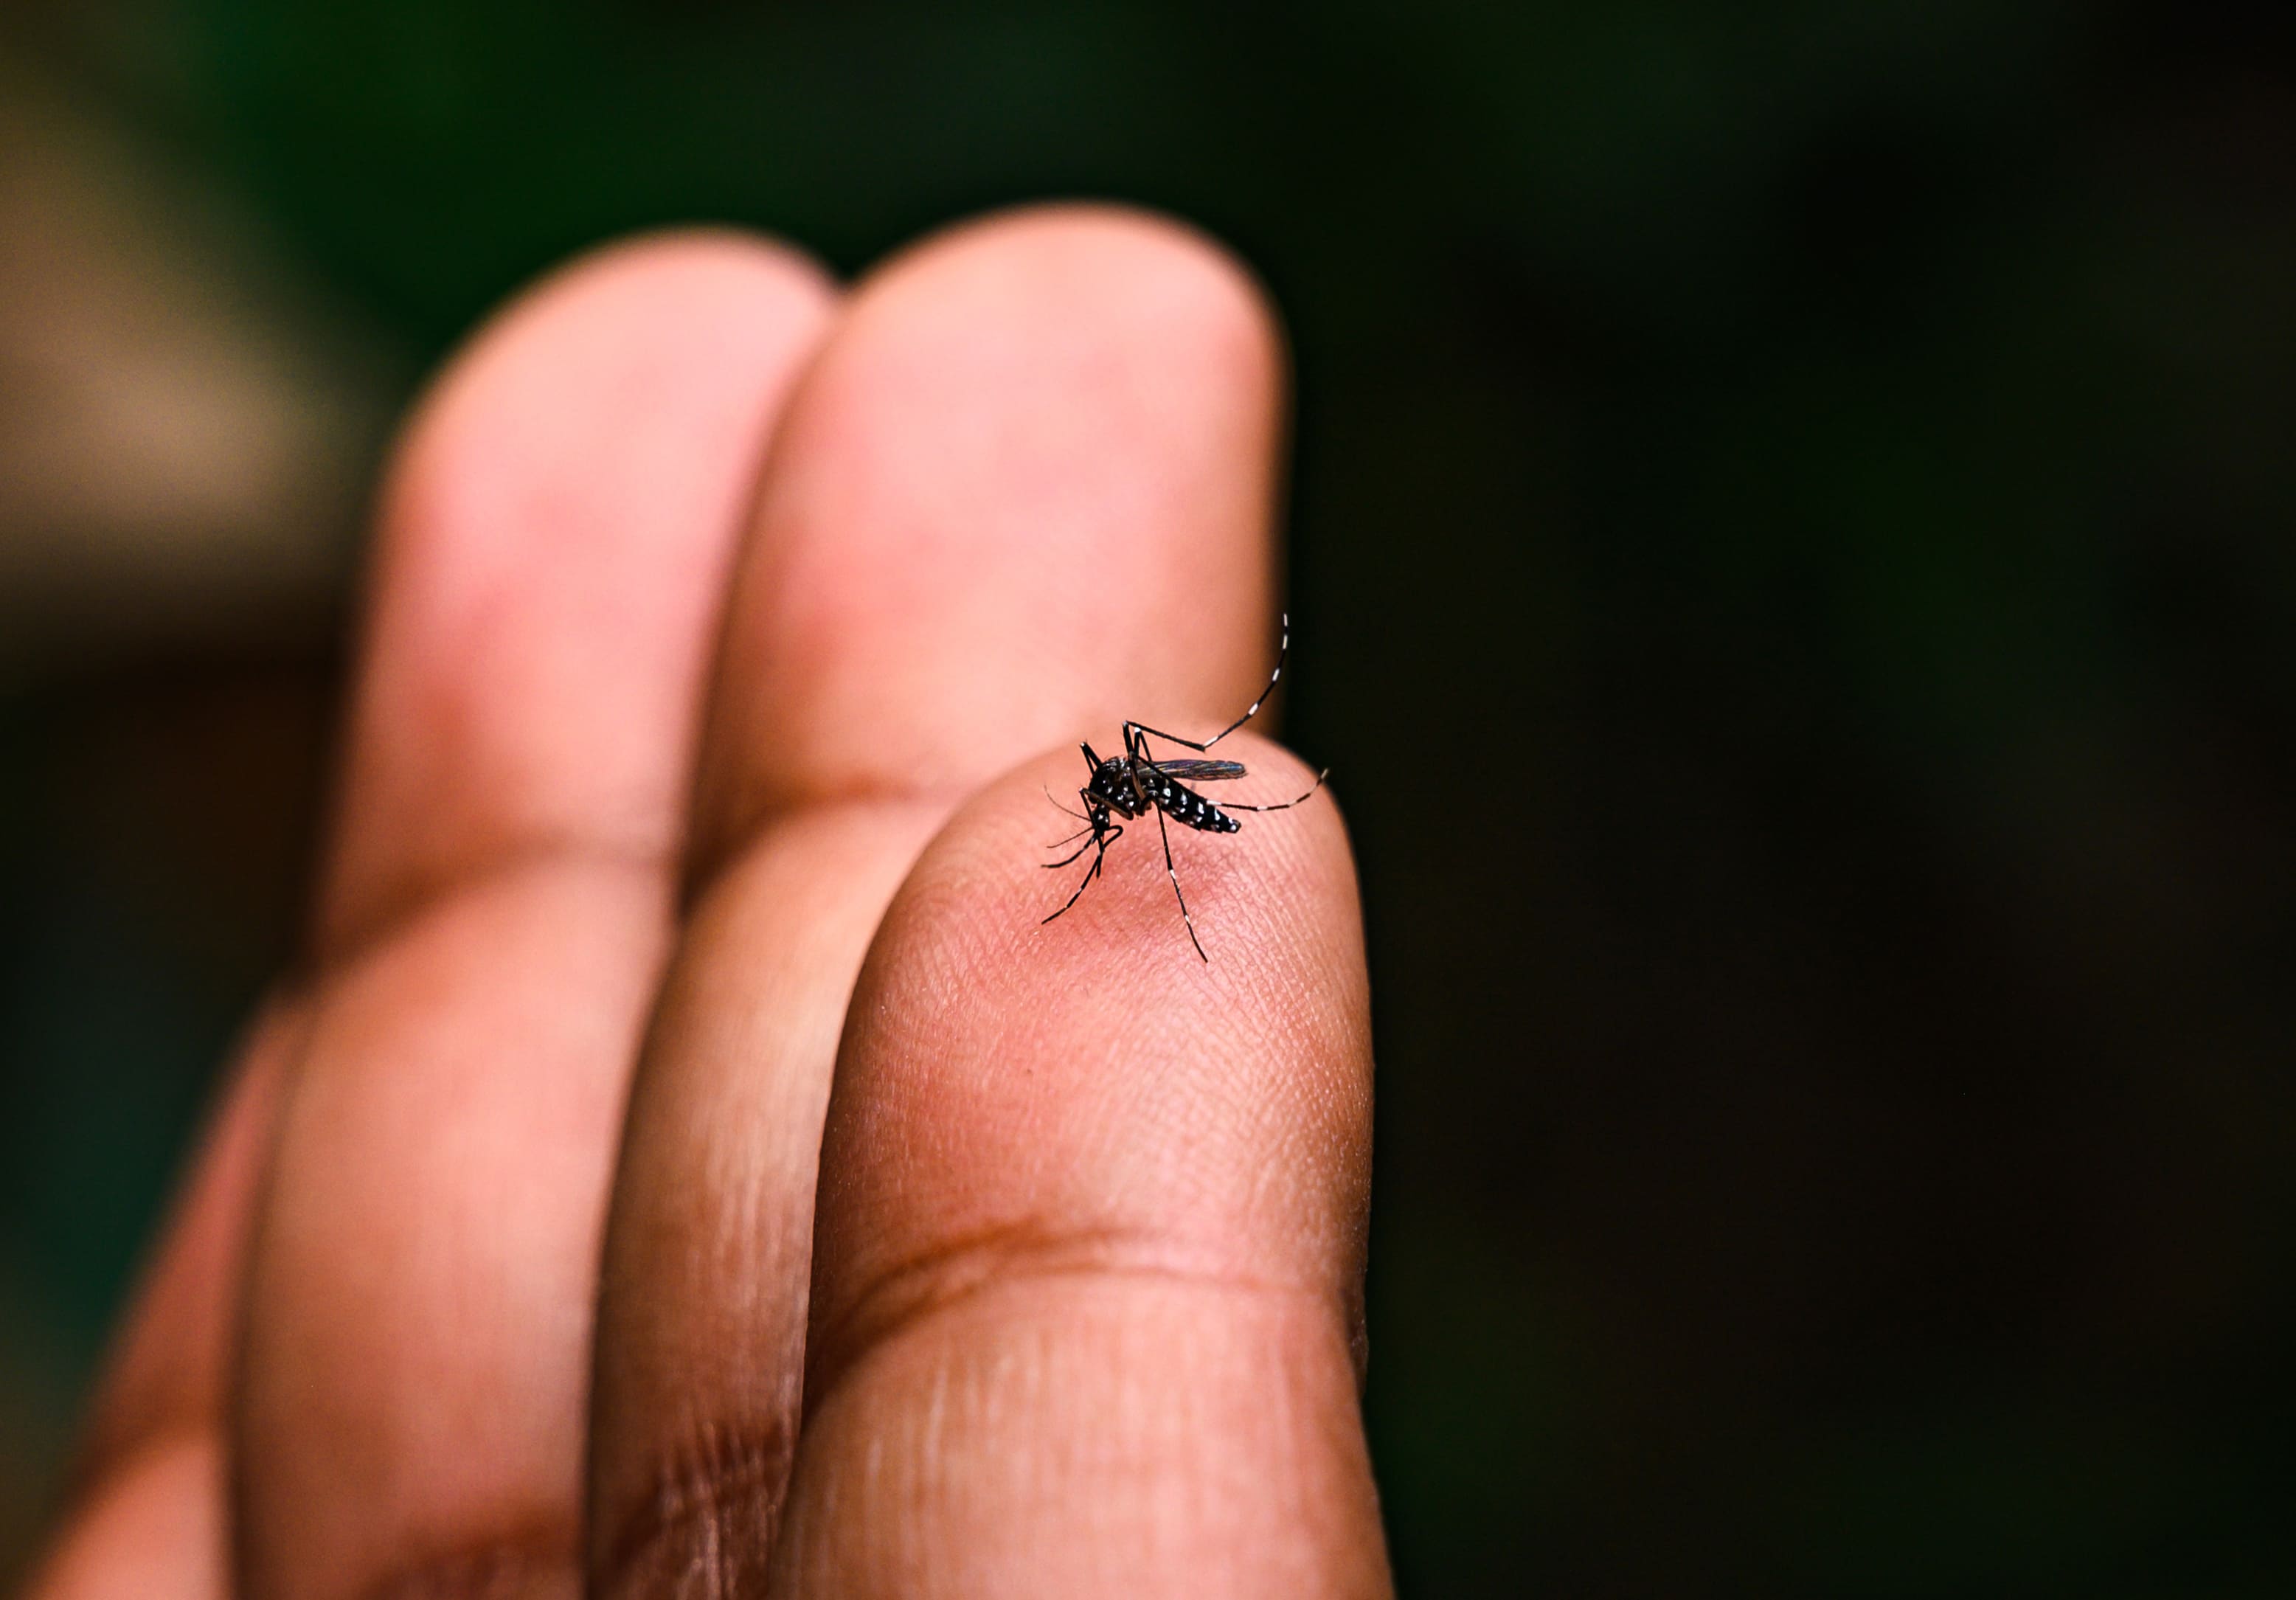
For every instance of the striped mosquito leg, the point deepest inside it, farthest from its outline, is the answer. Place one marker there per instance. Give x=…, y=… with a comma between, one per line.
x=1092, y=872
x=1284, y=805
x=1174, y=876
x=1133, y=731
x=1064, y=861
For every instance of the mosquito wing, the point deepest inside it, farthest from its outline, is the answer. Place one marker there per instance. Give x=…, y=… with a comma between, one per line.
x=1200, y=772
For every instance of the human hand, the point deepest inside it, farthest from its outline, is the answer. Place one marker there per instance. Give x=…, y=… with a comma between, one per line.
x=658, y=740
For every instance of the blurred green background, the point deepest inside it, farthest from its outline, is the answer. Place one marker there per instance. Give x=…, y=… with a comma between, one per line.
x=1792, y=568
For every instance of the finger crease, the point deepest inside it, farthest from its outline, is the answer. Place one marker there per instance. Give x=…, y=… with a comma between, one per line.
x=709, y=862
x=523, y=1563
x=536, y=858
x=706, y=1529
x=913, y=1293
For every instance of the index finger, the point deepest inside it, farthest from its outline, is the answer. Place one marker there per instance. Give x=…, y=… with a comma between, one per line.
x=1087, y=1293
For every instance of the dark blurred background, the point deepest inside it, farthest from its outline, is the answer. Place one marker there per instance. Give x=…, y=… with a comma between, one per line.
x=1834, y=465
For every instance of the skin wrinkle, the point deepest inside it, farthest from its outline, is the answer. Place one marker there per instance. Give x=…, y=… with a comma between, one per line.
x=399, y=916
x=1165, y=1381
x=531, y=1559
x=715, y=1504
x=886, y=792
x=1007, y=1256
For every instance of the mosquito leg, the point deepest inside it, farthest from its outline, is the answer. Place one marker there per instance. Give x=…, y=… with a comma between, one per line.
x=1090, y=873
x=1064, y=861
x=1174, y=876
x=1135, y=730
x=1280, y=806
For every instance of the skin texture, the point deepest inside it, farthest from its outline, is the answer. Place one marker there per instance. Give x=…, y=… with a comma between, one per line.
x=685, y=1165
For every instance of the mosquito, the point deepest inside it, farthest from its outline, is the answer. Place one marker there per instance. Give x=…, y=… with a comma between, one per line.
x=1136, y=782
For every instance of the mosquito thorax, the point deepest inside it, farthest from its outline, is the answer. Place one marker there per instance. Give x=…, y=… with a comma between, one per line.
x=1111, y=786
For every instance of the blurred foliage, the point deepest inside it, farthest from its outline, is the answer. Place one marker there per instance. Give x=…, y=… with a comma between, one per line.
x=1791, y=570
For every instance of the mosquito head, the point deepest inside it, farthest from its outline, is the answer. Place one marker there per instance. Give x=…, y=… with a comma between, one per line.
x=1107, y=789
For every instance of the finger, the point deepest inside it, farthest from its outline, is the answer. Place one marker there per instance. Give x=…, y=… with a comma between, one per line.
x=1028, y=484
x=1087, y=1307
x=555, y=543
x=1033, y=468
x=146, y=1514
x=552, y=557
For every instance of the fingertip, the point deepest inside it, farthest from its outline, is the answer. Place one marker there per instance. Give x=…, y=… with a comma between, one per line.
x=1145, y=265
x=552, y=538
x=1092, y=1077
x=1089, y=1240
x=658, y=300
x=1035, y=462
x=1275, y=901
